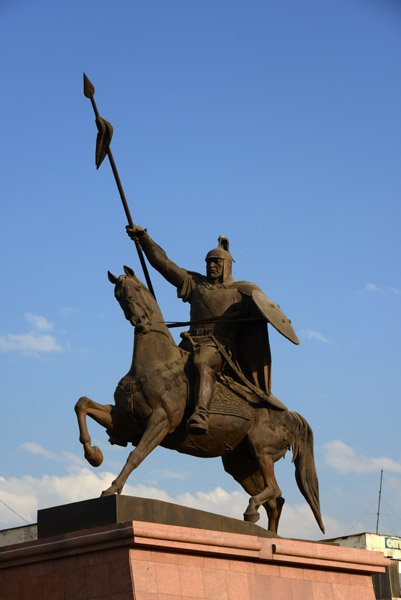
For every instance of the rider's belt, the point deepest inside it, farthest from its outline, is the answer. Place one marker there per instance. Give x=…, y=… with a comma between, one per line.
x=201, y=332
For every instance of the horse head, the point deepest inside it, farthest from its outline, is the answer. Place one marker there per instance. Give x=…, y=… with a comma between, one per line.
x=134, y=298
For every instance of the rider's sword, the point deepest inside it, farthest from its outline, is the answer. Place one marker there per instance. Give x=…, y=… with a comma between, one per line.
x=102, y=148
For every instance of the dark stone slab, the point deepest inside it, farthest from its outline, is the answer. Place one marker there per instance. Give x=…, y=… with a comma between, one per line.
x=111, y=510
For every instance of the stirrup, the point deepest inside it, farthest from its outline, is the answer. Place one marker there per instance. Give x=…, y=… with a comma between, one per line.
x=198, y=422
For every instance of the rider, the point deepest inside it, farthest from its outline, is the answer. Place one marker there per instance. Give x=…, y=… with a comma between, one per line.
x=218, y=330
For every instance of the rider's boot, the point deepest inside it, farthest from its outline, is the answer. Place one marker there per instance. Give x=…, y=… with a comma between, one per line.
x=198, y=423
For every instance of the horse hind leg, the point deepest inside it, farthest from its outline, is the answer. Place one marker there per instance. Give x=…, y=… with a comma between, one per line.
x=256, y=475
x=254, y=485
x=101, y=413
x=273, y=509
x=244, y=467
x=269, y=496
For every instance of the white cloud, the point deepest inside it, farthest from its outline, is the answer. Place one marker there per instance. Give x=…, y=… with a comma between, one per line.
x=372, y=288
x=73, y=459
x=39, y=322
x=27, y=494
x=35, y=448
x=29, y=343
x=65, y=457
x=68, y=310
x=230, y=504
x=167, y=474
x=309, y=334
x=343, y=458
x=298, y=522
x=152, y=482
x=34, y=342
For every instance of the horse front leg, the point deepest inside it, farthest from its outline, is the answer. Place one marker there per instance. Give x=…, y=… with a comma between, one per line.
x=101, y=413
x=156, y=430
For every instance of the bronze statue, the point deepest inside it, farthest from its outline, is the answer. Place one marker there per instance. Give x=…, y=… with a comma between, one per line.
x=211, y=395
x=226, y=327
x=154, y=400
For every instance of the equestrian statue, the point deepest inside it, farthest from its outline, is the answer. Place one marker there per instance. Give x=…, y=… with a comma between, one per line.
x=210, y=395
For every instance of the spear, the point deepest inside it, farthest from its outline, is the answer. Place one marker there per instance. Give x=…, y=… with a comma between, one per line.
x=105, y=133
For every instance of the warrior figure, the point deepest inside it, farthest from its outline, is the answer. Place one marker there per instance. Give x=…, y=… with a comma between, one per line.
x=227, y=324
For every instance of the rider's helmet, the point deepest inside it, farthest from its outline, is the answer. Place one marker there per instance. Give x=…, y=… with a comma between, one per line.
x=222, y=252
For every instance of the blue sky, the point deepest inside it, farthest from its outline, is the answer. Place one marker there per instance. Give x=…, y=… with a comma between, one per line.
x=276, y=124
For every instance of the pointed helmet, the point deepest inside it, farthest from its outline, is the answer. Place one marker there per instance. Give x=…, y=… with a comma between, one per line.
x=222, y=252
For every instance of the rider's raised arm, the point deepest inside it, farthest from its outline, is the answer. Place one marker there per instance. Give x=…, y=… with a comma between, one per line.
x=158, y=258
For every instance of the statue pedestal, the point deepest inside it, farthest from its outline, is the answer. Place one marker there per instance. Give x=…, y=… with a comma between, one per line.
x=156, y=561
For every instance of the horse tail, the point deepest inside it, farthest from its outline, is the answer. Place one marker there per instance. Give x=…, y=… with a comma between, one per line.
x=305, y=470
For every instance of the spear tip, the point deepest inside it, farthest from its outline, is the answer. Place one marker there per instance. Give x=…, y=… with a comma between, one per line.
x=89, y=90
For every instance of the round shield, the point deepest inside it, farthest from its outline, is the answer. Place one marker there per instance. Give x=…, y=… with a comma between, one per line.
x=274, y=315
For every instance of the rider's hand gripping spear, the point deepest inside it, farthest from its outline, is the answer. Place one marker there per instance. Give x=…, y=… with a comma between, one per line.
x=105, y=133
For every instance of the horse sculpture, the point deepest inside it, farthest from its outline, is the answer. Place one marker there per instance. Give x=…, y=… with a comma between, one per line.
x=153, y=402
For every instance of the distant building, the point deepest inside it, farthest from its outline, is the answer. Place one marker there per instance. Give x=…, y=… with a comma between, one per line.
x=386, y=585
x=18, y=535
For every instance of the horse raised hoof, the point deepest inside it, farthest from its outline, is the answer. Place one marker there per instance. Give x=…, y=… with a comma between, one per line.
x=94, y=456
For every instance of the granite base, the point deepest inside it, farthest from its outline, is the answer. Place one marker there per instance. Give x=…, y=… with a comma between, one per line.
x=154, y=561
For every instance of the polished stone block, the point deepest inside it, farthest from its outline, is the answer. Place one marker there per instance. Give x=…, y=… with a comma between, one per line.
x=142, y=560
x=111, y=510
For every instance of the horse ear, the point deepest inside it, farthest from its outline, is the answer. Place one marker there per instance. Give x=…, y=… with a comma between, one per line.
x=112, y=277
x=128, y=271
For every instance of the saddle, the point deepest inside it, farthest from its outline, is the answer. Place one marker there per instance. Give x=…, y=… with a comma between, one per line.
x=229, y=396
x=229, y=399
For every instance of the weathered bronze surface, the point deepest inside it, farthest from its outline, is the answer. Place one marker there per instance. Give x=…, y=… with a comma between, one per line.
x=210, y=396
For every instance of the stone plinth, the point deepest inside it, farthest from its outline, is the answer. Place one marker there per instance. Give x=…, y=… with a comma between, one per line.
x=153, y=561
x=111, y=510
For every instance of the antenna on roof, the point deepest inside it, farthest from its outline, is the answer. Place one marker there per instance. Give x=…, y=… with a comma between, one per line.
x=378, y=507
